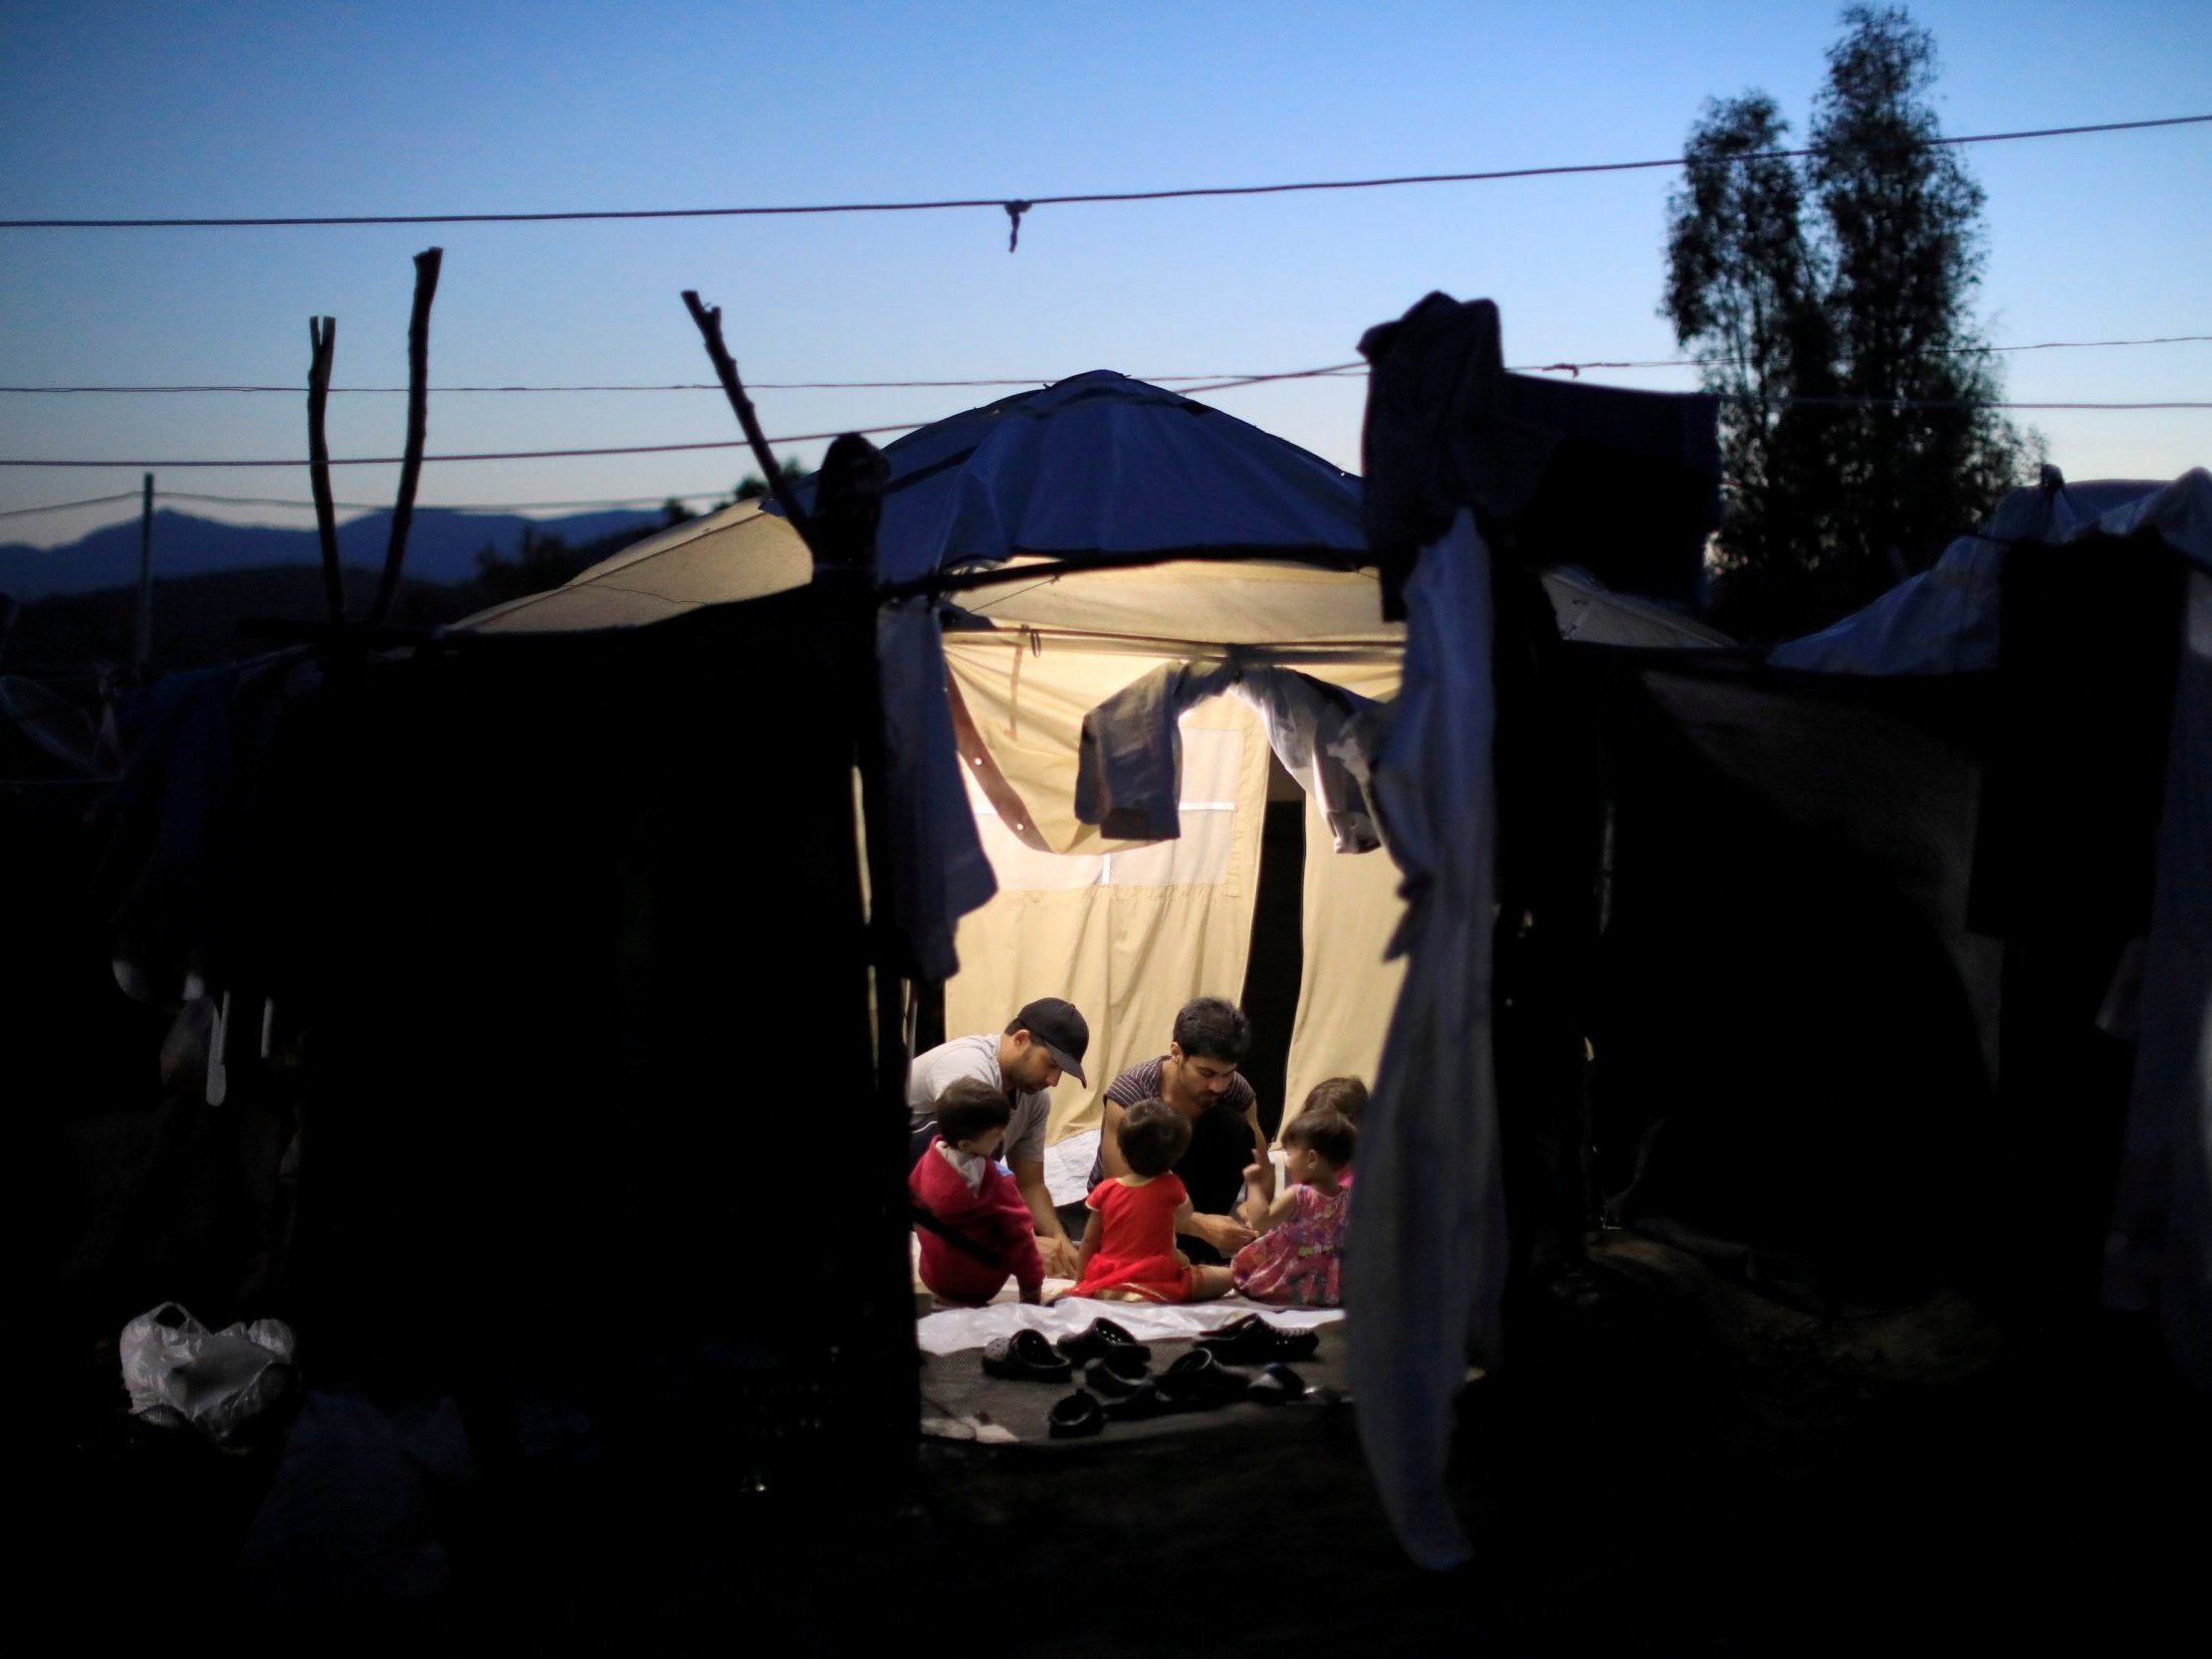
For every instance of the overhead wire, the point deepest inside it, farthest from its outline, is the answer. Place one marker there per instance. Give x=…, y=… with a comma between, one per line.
x=1219, y=381
x=1015, y=208
x=286, y=462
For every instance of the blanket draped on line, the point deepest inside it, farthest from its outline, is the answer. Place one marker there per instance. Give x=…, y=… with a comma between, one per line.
x=1427, y=1260
x=1130, y=765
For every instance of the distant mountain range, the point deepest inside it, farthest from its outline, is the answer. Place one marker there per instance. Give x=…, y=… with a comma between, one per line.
x=442, y=547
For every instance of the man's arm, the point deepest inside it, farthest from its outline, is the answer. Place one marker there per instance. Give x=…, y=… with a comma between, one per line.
x=1224, y=1232
x=1052, y=1240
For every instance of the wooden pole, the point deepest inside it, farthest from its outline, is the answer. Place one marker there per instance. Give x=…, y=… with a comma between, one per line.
x=709, y=319
x=427, y=264
x=323, y=345
x=143, y=653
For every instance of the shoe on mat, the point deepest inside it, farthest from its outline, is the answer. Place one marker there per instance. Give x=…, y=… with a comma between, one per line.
x=1128, y=1363
x=1112, y=1377
x=1104, y=1337
x=1252, y=1340
x=1144, y=1401
x=1197, y=1381
x=1278, y=1383
x=1075, y=1417
x=1025, y=1357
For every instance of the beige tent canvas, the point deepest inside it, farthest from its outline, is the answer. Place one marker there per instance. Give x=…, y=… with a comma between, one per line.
x=1127, y=929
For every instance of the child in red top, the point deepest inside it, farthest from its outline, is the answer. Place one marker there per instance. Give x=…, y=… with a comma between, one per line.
x=957, y=1185
x=1128, y=1252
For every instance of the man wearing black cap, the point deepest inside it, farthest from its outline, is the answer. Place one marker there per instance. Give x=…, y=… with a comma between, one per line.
x=1047, y=1039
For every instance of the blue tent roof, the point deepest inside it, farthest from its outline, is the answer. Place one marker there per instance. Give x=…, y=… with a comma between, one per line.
x=1105, y=465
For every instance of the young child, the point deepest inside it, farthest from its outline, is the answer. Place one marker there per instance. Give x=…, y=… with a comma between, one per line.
x=1128, y=1252
x=1347, y=1098
x=1298, y=1258
x=958, y=1185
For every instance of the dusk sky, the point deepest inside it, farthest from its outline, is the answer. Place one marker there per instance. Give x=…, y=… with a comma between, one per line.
x=119, y=111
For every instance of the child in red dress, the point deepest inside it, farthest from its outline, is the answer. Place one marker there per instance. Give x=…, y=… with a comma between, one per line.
x=1128, y=1252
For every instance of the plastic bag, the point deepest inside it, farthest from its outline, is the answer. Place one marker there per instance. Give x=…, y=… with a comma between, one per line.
x=178, y=1372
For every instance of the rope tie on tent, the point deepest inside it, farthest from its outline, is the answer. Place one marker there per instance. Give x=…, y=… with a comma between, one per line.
x=1015, y=211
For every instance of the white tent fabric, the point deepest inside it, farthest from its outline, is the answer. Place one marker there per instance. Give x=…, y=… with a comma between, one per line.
x=1427, y=1263
x=739, y=552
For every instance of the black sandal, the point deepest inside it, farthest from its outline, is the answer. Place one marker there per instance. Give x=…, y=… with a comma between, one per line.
x=1075, y=1417
x=1104, y=1338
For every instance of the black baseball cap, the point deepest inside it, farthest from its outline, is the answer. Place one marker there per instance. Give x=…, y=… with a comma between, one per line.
x=1060, y=1028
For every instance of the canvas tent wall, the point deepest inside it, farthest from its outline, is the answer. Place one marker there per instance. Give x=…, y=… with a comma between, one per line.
x=1097, y=469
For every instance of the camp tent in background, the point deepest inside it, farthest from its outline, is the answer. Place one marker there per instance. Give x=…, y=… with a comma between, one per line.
x=1263, y=601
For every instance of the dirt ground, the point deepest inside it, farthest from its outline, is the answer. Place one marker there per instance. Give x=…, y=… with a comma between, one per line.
x=1667, y=1463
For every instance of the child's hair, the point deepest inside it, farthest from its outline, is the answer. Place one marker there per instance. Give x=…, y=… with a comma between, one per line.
x=1345, y=1096
x=968, y=1109
x=1326, y=1132
x=1153, y=1137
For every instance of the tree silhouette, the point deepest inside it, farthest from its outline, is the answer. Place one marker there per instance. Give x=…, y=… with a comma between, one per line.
x=1832, y=296
x=753, y=484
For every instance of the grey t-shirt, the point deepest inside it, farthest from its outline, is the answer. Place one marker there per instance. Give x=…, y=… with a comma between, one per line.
x=930, y=1074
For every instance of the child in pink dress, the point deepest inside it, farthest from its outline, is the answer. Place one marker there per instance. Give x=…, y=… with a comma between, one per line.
x=1128, y=1252
x=1298, y=1258
x=1347, y=1098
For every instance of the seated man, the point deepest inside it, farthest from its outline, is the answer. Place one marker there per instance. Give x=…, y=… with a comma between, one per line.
x=1198, y=1077
x=1023, y=1063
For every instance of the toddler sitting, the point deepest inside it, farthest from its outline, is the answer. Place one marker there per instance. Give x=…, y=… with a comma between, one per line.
x=1128, y=1252
x=1298, y=1258
x=974, y=1228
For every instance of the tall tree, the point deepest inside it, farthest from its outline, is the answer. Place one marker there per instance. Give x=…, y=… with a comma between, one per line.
x=1832, y=298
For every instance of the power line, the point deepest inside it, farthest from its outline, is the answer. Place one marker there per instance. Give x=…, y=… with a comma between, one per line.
x=1015, y=208
x=910, y=426
x=488, y=455
x=432, y=507
x=64, y=507
x=1220, y=378
x=1219, y=381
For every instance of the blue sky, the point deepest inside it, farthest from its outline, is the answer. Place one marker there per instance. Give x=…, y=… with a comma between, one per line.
x=262, y=109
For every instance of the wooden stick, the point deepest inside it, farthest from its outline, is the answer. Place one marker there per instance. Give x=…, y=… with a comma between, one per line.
x=418, y=427
x=709, y=319
x=322, y=341
x=143, y=652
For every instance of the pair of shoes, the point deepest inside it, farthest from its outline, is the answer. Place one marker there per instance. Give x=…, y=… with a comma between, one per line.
x=1277, y=1384
x=1199, y=1381
x=1115, y=1377
x=1252, y=1340
x=1104, y=1338
x=1025, y=1357
x=1075, y=1417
